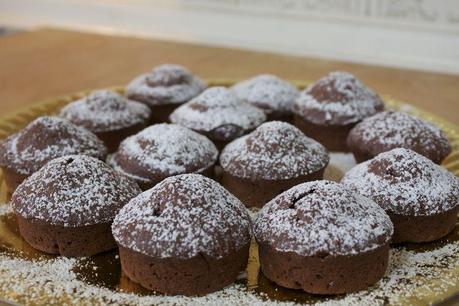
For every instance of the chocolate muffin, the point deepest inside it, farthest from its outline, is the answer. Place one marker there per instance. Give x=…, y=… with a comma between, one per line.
x=276, y=156
x=389, y=130
x=421, y=198
x=163, y=150
x=108, y=115
x=187, y=235
x=43, y=139
x=219, y=115
x=324, y=239
x=329, y=108
x=270, y=93
x=67, y=206
x=164, y=88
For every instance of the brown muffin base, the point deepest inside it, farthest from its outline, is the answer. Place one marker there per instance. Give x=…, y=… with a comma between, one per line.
x=12, y=179
x=423, y=228
x=191, y=276
x=279, y=116
x=333, y=137
x=209, y=172
x=68, y=241
x=360, y=157
x=219, y=140
x=258, y=193
x=113, y=138
x=324, y=275
x=161, y=113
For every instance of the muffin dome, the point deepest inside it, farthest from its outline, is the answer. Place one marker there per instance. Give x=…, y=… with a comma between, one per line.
x=268, y=92
x=163, y=150
x=165, y=84
x=322, y=217
x=337, y=99
x=413, y=190
x=44, y=139
x=389, y=130
x=218, y=114
x=274, y=151
x=104, y=111
x=187, y=235
x=324, y=239
x=74, y=190
x=405, y=183
x=181, y=217
x=68, y=205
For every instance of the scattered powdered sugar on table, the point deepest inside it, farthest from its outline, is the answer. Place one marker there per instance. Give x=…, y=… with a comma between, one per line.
x=406, y=183
x=164, y=149
x=217, y=107
x=161, y=222
x=54, y=282
x=74, y=190
x=410, y=275
x=322, y=217
x=43, y=282
x=44, y=139
x=343, y=100
x=275, y=150
x=165, y=84
x=105, y=110
x=268, y=92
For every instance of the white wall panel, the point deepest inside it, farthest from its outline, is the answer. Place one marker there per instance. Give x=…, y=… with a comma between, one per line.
x=420, y=34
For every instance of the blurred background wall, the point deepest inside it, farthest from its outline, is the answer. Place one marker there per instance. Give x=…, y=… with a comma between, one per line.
x=420, y=34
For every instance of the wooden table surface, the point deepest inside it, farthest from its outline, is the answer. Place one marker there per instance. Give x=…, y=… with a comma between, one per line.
x=46, y=63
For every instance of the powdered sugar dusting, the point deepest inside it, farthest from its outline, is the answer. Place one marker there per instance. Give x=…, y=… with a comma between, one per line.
x=405, y=183
x=165, y=84
x=275, y=150
x=164, y=150
x=105, y=110
x=181, y=217
x=218, y=108
x=388, y=130
x=44, y=139
x=267, y=92
x=338, y=98
x=5, y=209
x=322, y=217
x=53, y=281
x=410, y=275
x=74, y=190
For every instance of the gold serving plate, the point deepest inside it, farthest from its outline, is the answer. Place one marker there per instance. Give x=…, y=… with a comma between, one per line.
x=104, y=270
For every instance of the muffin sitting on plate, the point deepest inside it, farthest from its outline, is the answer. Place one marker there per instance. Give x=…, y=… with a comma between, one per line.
x=324, y=239
x=67, y=206
x=219, y=115
x=273, y=158
x=389, y=130
x=42, y=140
x=164, y=88
x=187, y=235
x=329, y=108
x=163, y=150
x=421, y=197
x=269, y=93
x=109, y=115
